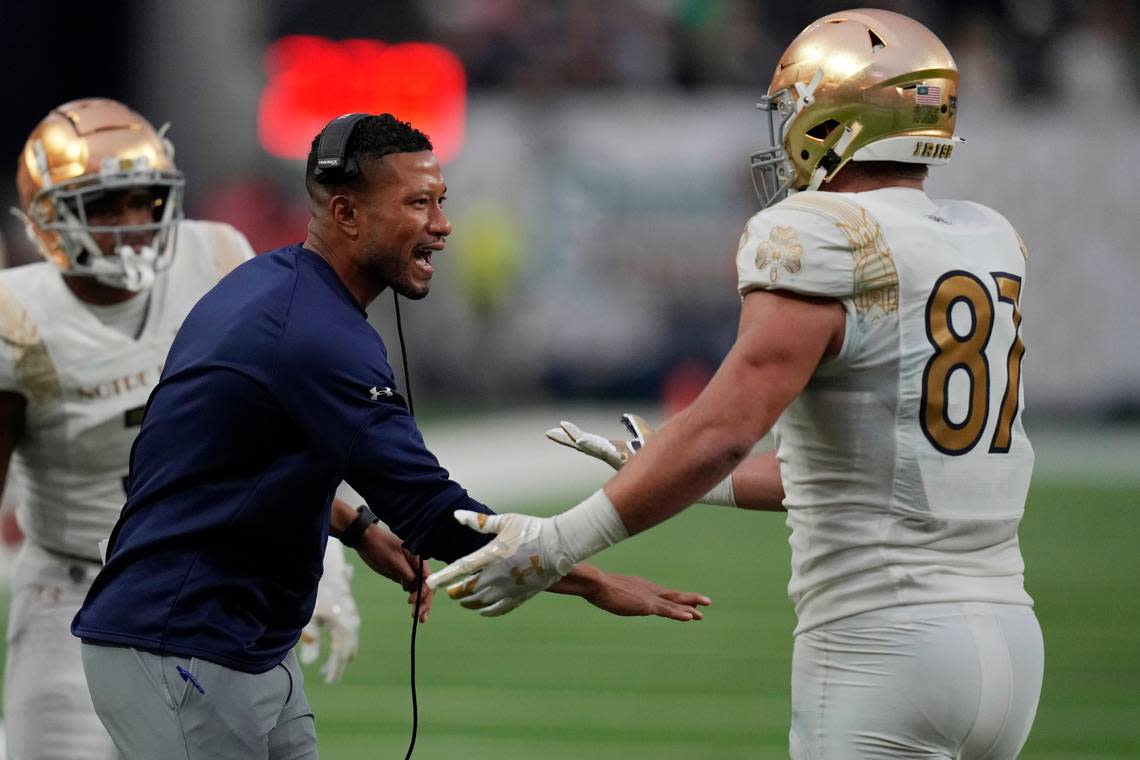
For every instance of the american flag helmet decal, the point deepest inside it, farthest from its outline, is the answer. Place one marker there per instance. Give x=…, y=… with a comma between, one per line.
x=928, y=95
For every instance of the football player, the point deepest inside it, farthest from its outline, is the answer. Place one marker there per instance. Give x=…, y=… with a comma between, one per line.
x=880, y=334
x=83, y=337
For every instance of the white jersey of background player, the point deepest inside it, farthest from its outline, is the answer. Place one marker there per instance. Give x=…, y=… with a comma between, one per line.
x=883, y=329
x=79, y=356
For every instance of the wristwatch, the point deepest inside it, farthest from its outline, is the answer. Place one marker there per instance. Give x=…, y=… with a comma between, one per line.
x=351, y=535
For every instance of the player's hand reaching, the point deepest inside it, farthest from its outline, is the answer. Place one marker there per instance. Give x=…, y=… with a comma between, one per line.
x=525, y=557
x=613, y=451
x=617, y=451
x=529, y=554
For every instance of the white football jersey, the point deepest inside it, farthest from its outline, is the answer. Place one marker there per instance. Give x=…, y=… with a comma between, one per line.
x=87, y=384
x=904, y=461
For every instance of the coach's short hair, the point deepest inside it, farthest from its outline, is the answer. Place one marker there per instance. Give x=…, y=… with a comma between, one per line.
x=372, y=137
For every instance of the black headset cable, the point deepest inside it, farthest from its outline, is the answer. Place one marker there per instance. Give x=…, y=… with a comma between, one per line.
x=420, y=565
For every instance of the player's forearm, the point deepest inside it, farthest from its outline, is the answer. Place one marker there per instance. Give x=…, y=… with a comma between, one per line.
x=762, y=373
x=699, y=447
x=756, y=483
x=674, y=470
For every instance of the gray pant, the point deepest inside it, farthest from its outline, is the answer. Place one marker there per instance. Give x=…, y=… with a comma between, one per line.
x=152, y=711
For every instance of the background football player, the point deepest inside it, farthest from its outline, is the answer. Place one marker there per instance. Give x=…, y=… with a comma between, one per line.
x=83, y=337
x=880, y=332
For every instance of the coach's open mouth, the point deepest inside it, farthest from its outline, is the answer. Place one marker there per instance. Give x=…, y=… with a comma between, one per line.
x=422, y=255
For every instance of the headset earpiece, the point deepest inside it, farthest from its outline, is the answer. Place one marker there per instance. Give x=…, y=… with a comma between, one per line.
x=332, y=165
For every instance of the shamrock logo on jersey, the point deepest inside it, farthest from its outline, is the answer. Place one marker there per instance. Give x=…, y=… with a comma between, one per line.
x=781, y=249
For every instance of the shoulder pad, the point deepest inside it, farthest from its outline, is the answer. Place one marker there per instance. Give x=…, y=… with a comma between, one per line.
x=819, y=244
x=16, y=326
x=32, y=365
x=1003, y=228
x=226, y=248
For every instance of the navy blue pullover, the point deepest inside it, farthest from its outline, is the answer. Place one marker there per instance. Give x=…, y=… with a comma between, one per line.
x=276, y=389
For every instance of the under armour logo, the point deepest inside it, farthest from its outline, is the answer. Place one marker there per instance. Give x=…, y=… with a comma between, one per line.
x=378, y=392
x=520, y=575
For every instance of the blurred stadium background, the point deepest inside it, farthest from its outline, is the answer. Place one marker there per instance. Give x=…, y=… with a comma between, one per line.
x=596, y=158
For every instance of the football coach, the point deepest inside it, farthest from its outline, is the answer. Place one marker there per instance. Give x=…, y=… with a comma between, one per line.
x=275, y=390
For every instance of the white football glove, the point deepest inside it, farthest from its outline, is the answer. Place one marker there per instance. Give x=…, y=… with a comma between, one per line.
x=335, y=611
x=527, y=555
x=616, y=452
x=613, y=451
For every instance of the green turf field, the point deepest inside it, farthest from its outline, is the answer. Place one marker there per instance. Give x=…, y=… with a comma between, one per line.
x=559, y=679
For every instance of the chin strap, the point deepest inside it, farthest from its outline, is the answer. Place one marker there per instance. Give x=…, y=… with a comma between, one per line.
x=806, y=92
x=126, y=269
x=834, y=156
x=138, y=268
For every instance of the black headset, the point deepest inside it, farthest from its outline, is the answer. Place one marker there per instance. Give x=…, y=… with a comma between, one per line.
x=333, y=167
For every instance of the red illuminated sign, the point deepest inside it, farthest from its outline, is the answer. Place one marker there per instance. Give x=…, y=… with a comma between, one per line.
x=313, y=80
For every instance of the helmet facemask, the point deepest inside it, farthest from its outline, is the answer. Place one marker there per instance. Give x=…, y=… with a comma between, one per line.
x=772, y=170
x=84, y=155
x=62, y=210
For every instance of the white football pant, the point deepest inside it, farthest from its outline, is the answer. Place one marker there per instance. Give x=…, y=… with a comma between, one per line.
x=48, y=713
x=949, y=681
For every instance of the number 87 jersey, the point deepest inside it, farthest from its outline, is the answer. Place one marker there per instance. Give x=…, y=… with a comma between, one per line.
x=904, y=461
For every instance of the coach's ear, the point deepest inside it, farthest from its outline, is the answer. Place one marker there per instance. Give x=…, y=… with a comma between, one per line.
x=342, y=210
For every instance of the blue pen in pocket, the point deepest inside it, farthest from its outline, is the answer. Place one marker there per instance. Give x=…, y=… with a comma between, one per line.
x=188, y=676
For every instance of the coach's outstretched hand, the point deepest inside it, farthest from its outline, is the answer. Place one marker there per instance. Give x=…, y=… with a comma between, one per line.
x=384, y=553
x=631, y=595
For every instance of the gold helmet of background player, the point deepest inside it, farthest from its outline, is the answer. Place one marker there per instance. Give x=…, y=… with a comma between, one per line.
x=79, y=153
x=860, y=85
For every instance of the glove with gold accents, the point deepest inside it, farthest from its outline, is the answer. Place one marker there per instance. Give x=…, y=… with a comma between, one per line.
x=527, y=555
x=613, y=451
x=336, y=613
x=616, y=451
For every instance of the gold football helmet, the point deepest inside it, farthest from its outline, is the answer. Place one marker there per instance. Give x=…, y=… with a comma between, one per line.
x=80, y=153
x=860, y=85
